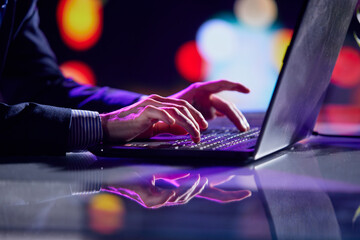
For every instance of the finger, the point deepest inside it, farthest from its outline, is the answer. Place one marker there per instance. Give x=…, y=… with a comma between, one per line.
x=241, y=115
x=158, y=114
x=183, y=109
x=156, y=99
x=161, y=127
x=218, y=195
x=223, y=85
x=230, y=110
x=198, y=189
x=186, y=123
x=183, y=106
x=187, y=113
x=186, y=188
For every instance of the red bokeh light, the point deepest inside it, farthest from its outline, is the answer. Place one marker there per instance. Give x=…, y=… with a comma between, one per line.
x=347, y=69
x=339, y=119
x=79, y=72
x=189, y=62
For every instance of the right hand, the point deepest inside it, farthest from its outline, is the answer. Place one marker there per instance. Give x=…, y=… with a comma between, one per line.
x=151, y=116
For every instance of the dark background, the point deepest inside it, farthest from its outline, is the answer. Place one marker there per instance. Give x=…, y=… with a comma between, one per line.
x=140, y=38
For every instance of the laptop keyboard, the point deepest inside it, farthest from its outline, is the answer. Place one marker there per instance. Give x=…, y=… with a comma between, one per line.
x=218, y=139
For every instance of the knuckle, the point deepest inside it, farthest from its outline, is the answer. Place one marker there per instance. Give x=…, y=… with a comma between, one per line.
x=196, y=85
x=223, y=81
x=149, y=100
x=149, y=108
x=183, y=102
x=176, y=111
x=154, y=96
x=182, y=108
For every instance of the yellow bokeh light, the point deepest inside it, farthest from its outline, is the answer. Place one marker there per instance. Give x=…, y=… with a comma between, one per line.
x=80, y=22
x=106, y=213
x=81, y=19
x=256, y=13
x=281, y=42
x=107, y=202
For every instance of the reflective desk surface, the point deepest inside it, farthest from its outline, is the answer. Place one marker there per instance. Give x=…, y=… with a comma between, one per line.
x=311, y=191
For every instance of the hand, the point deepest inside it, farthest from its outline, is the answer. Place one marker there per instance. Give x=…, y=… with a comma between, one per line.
x=201, y=96
x=149, y=195
x=151, y=116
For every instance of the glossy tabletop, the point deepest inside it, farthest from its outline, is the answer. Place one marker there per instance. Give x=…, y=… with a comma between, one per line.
x=311, y=191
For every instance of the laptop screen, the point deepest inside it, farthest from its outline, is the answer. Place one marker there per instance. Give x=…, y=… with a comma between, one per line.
x=306, y=73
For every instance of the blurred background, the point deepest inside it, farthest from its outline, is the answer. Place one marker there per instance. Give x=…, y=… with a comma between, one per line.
x=162, y=46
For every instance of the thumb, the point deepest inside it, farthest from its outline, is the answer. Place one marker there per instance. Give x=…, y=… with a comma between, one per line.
x=161, y=127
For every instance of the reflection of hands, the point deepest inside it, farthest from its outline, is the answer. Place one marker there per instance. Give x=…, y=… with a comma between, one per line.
x=201, y=95
x=151, y=116
x=168, y=190
x=180, y=189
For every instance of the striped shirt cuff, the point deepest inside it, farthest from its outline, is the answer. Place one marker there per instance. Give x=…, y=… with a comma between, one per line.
x=85, y=130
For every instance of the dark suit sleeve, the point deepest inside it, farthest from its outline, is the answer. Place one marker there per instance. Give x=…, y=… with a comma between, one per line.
x=29, y=128
x=32, y=74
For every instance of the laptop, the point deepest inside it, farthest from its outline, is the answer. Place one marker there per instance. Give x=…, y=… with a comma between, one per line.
x=299, y=92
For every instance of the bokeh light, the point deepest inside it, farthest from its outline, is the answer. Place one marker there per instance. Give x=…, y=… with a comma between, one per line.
x=281, y=41
x=79, y=72
x=80, y=22
x=189, y=63
x=106, y=213
x=346, y=73
x=256, y=13
x=339, y=119
x=240, y=54
x=217, y=41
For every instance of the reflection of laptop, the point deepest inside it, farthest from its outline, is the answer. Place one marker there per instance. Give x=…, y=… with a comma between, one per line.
x=295, y=104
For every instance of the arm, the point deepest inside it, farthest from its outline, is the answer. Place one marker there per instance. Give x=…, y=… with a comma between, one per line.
x=30, y=128
x=31, y=73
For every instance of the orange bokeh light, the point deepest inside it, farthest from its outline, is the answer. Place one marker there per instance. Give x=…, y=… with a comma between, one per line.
x=80, y=22
x=346, y=73
x=79, y=72
x=106, y=213
x=189, y=62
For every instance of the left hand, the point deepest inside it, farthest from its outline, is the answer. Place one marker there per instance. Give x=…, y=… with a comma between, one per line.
x=201, y=96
